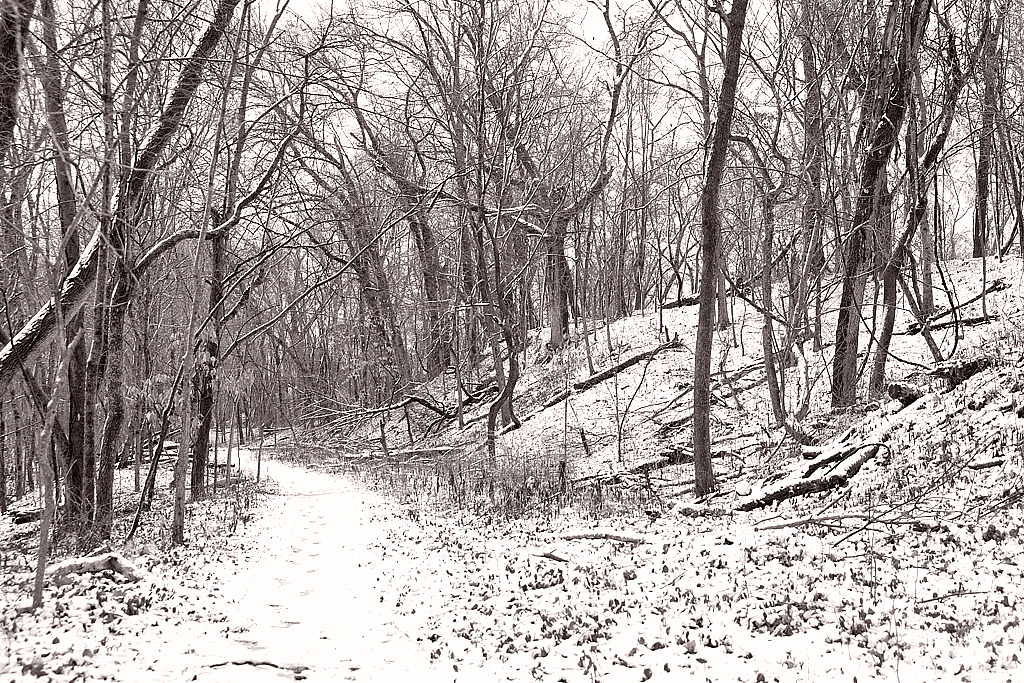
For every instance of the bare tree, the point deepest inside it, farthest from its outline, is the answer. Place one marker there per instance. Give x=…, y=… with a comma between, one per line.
x=711, y=232
x=879, y=127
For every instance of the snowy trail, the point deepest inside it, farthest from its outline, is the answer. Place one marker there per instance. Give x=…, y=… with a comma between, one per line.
x=307, y=600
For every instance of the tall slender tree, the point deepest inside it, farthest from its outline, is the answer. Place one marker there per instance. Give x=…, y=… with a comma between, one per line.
x=711, y=235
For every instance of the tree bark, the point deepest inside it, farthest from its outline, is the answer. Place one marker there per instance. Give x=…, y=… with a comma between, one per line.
x=812, y=214
x=711, y=228
x=767, y=333
x=557, y=278
x=438, y=336
x=3, y=463
x=80, y=484
x=14, y=21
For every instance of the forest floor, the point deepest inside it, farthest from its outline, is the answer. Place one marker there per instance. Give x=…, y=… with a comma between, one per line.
x=606, y=570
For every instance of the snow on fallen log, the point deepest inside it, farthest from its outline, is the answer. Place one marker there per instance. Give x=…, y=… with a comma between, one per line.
x=596, y=379
x=96, y=563
x=834, y=465
x=837, y=477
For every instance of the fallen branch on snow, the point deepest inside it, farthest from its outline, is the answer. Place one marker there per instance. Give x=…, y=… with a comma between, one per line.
x=826, y=519
x=997, y=285
x=603, y=536
x=986, y=464
x=297, y=669
x=839, y=476
x=552, y=555
x=845, y=456
x=97, y=563
x=594, y=380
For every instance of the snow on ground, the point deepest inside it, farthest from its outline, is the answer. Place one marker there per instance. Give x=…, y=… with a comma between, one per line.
x=913, y=572
x=332, y=582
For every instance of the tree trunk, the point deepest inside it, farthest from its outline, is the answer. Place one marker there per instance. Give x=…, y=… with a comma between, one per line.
x=96, y=364
x=121, y=293
x=880, y=126
x=3, y=463
x=986, y=141
x=436, y=357
x=557, y=278
x=921, y=171
x=767, y=333
x=927, y=259
x=813, y=210
x=711, y=228
x=14, y=21
x=81, y=467
x=19, y=461
x=206, y=371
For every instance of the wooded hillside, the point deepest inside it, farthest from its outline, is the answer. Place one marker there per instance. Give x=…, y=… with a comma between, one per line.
x=217, y=217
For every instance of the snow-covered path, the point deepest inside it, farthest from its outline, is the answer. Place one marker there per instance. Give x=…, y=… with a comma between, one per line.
x=308, y=599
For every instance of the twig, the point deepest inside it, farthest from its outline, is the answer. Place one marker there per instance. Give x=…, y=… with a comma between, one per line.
x=298, y=668
x=955, y=594
x=815, y=519
x=552, y=555
x=985, y=464
x=604, y=536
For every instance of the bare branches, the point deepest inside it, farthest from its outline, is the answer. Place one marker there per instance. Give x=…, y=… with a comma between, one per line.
x=75, y=287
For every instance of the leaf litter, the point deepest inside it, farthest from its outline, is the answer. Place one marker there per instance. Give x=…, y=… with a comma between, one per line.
x=911, y=571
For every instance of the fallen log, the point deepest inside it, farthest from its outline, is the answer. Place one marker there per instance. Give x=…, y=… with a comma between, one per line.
x=789, y=488
x=96, y=563
x=997, y=285
x=680, y=302
x=25, y=516
x=556, y=399
x=596, y=379
x=828, y=457
x=904, y=392
x=961, y=369
x=844, y=457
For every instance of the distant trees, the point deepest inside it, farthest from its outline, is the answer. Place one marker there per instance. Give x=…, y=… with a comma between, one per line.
x=119, y=172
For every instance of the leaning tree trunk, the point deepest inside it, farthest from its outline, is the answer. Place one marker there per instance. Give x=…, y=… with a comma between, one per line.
x=881, y=124
x=3, y=463
x=922, y=176
x=711, y=230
